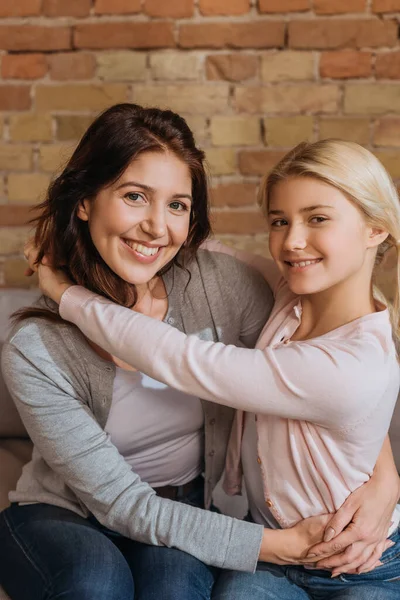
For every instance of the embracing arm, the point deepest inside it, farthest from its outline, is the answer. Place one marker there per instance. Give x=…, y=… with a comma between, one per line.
x=74, y=446
x=279, y=381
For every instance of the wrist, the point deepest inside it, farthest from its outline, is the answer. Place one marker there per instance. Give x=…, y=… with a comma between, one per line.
x=275, y=546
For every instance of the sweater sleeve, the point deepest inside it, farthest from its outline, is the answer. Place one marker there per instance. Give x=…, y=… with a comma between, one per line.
x=295, y=381
x=68, y=437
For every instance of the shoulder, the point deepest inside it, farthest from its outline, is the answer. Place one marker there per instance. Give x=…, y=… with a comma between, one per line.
x=228, y=269
x=43, y=341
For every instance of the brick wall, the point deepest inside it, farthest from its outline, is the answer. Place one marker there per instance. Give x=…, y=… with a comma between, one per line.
x=252, y=78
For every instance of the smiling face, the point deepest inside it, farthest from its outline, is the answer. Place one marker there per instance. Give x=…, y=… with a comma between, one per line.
x=139, y=223
x=318, y=237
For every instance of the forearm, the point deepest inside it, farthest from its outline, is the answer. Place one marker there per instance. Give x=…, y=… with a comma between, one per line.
x=246, y=379
x=385, y=471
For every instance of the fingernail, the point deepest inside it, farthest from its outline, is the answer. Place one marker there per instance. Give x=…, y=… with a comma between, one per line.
x=329, y=534
x=335, y=574
x=379, y=563
x=311, y=555
x=391, y=544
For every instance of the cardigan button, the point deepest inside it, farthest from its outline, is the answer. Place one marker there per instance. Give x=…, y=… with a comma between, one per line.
x=269, y=503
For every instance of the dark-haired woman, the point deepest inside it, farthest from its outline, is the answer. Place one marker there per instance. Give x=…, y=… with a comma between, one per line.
x=114, y=490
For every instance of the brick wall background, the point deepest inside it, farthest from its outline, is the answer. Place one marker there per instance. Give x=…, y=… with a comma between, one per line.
x=252, y=77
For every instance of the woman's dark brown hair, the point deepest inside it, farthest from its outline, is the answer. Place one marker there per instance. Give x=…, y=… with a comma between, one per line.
x=115, y=138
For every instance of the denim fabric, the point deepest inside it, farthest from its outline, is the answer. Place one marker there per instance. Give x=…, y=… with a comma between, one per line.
x=274, y=582
x=51, y=553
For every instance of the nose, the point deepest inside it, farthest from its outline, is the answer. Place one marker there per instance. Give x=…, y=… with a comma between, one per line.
x=295, y=238
x=154, y=224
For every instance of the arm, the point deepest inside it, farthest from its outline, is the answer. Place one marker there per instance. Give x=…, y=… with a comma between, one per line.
x=362, y=523
x=238, y=377
x=75, y=447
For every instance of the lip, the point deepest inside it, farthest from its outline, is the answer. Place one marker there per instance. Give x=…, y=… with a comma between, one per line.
x=146, y=260
x=300, y=268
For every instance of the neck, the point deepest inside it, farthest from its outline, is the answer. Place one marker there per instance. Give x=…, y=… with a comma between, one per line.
x=152, y=300
x=329, y=309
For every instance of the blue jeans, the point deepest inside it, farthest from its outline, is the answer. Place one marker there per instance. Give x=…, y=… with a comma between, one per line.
x=274, y=582
x=47, y=552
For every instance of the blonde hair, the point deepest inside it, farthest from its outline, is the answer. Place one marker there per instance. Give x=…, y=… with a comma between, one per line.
x=362, y=178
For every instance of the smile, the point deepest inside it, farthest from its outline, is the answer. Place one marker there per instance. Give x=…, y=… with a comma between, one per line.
x=303, y=263
x=140, y=249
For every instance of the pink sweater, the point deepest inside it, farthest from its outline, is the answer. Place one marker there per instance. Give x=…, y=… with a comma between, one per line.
x=323, y=405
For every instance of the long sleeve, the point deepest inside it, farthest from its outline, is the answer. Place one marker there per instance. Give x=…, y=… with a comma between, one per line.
x=295, y=381
x=54, y=408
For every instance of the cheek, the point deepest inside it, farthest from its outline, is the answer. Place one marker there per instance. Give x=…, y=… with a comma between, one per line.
x=180, y=231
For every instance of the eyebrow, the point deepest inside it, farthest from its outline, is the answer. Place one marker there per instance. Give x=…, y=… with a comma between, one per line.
x=302, y=210
x=147, y=188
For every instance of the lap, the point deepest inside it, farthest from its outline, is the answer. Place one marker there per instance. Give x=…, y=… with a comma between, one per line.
x=50, y=550
x=44, y=547
x=162, y=573
x=265, y=584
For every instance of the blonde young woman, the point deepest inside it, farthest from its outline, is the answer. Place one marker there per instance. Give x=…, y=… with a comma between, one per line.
x=321, y=386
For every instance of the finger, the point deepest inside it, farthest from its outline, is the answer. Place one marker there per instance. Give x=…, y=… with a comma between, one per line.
x=357, y=554
x=370, y=564
x=354, y=565
x=341, y=519
x=349, y=536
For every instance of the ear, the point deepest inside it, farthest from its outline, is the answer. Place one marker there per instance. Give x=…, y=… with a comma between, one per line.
x=376, y=237
x=84, y=210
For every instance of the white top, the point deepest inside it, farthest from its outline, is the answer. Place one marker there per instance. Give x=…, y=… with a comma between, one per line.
x=158, y=430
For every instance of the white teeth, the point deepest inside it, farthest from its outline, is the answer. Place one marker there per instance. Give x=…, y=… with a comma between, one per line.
x=304, y=263
x=145, y=250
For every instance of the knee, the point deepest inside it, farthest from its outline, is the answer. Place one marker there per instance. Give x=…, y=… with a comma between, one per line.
x=169, y=574
x=95, y=578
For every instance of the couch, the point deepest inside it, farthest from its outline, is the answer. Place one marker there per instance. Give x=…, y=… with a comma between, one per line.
x=16, y=448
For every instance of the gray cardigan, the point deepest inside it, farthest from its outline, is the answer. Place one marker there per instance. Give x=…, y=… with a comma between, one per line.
x=63, y=392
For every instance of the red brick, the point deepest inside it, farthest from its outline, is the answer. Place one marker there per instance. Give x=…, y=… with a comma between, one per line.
x=234, y=194
x=341, y=33
x=387, y=65
x=224, y=7
x=176, y=9
x=20, y=8
x=23, y=66
x=72, y=65
x=333, y=7
x=124, y=35
x=241, y=221
x=15, y=216
x=231, y=67
x=258, y=162
x=117, y=7
x=283, y=6
x=15, y=97
x=345, y=64
x=34, y=37
x=66, y=8
x=384, y=6
x=260, y=34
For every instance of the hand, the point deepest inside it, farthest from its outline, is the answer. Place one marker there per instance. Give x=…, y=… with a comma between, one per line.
x=360, y=528
x=290, y=546
x=52, y=282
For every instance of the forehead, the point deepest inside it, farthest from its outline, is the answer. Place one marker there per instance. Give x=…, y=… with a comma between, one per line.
x=297, y=193
x=157, y=168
